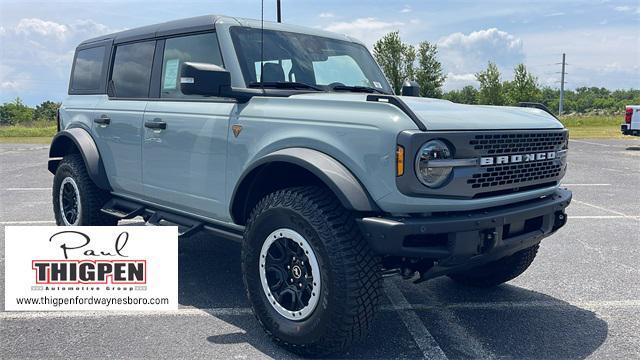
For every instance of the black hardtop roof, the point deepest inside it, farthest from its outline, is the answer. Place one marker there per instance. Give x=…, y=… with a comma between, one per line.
x=198, y=23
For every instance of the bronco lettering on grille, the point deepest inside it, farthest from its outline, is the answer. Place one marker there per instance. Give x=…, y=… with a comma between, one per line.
x=513, y=159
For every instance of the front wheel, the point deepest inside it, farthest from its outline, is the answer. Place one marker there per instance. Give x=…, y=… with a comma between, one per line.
x=311, y=278
x=76, y=199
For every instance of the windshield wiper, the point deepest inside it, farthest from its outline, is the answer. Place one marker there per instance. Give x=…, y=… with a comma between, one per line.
x=364, y=89
x=283, y=85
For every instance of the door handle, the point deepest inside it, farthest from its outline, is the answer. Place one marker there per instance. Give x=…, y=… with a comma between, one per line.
x=156, y=124
x=102, y=120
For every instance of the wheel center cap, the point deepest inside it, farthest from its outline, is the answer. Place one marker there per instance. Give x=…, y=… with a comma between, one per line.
x=296, y=271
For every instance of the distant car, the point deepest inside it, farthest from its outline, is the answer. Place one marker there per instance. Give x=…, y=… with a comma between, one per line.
x=299, y=149
x=631, y=124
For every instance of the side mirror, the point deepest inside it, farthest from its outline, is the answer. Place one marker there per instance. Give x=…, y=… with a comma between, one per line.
x=204, y=79
x=410, y=88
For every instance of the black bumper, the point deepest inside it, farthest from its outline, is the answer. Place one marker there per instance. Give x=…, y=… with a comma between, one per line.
x=462, y=240
x=624, y=128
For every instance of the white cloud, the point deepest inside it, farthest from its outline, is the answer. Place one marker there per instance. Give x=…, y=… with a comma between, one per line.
x=326, y=15
x=406, y=9
x=555, y=14
x=39, y=27
x=622, y=8
x=458, y=81
x=467, y=54
x=367, y=29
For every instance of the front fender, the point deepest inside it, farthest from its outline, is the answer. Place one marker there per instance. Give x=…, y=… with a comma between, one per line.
x=78, y=140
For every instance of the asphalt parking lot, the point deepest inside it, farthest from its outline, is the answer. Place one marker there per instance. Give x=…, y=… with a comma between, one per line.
x=579, y=299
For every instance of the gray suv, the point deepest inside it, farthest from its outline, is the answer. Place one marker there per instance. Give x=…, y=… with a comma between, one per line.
x=291, y=141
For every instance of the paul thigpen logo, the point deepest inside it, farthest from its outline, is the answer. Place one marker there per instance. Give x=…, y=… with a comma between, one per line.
x=115, y=270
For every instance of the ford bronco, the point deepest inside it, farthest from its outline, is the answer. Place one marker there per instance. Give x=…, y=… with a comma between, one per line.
x=291, y=141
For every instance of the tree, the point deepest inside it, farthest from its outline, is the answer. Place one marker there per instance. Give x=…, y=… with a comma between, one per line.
x=524, y=86
x=15, y=112
x=467, y=95
x=429, y=74
x=46, y=111
x=490, y=86
x=395, y=58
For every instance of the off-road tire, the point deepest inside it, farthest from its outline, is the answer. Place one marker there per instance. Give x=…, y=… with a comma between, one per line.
x=92, y=198
x=350, y=272
x=499, y=271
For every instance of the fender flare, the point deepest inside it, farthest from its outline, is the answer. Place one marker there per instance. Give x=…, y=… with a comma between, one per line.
x=349, y=191
x=62, y=144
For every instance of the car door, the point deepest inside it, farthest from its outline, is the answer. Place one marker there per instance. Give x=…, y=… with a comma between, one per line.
x=118, y=118
x=185, y=136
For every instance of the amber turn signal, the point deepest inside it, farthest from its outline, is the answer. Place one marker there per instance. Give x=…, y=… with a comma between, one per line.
x=399, y=161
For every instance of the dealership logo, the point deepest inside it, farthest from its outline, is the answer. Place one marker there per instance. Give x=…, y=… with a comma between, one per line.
x=515, y=159
x=116, y=270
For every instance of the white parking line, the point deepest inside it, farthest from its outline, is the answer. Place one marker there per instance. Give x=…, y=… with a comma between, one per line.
x=603, y=217
x=425, y=341
x=601, y=208
x=241, y=311
x=589, y=142
x=29, y=222
x=27, y=189
x=585, y=184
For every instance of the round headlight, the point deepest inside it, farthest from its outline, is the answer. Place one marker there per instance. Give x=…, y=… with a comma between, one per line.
x=432, y=176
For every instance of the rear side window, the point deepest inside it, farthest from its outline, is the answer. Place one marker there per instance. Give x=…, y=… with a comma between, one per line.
x=87, y=69
x=132, y=69
x=202, y=48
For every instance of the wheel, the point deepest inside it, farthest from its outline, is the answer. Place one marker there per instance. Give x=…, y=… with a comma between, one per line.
x=76, y=199
x=311, y=278
x=499, y=271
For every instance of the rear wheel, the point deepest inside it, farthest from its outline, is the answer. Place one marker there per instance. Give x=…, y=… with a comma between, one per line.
x=499, y=271
x=76, y=199
x=311, y=278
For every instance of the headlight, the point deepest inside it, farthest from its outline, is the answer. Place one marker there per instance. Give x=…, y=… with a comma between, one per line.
x=428, y=174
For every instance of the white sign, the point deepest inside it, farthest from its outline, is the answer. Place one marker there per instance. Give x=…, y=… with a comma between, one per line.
x=91, y=268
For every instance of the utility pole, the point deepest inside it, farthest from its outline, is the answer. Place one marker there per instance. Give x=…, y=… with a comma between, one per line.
x=278, y=11
x=561, y=84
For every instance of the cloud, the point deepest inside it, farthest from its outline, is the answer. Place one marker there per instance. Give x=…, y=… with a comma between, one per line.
x=37, y=53
x=622, y=8
x=469, y=53
x=38, y=27
x=555, y=14
x=326, y=15
x=406, y=9
x=458, y=81
x=367, y=29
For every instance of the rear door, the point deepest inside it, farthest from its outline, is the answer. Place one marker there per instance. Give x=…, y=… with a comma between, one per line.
x=118, y=118
x=185, y=136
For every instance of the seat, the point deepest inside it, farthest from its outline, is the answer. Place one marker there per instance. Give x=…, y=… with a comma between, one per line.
x=272, y=72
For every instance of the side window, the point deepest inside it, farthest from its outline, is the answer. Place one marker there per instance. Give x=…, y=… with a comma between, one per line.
x=132, y=69
x=202, y=48
x=87, y=69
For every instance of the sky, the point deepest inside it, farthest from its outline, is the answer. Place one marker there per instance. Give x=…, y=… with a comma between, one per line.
x=600, y=37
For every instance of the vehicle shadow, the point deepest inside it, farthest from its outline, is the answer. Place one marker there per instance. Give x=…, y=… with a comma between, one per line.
x=538, y=326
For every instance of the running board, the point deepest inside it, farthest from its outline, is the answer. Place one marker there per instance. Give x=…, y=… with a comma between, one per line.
x=126, y=209
x=122, y=209
x=186, y=226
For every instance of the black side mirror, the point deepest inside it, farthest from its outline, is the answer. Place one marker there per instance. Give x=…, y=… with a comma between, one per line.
x=410, y=88
x=204, y=79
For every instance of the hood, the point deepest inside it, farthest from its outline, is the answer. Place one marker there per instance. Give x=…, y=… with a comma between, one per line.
x=444, y=115
x=438, y=114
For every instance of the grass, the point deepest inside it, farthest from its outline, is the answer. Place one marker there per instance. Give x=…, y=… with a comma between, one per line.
x=580, y=127
x=594, y=126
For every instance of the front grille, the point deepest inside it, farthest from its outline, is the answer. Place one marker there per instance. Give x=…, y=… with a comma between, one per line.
x=516, y=143
x=515, y=174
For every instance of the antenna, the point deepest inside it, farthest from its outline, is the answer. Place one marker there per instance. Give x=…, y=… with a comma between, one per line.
x=278, y=11
x=262, y=45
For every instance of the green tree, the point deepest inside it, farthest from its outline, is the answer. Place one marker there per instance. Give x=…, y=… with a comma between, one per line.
x=490, y=86
x=467, y=95
x=429, y=74
x=395, y=58
x=46, y=111
x=15, y=112
x=524, y=86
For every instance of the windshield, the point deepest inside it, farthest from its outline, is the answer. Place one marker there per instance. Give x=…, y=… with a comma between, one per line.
x=324, y=63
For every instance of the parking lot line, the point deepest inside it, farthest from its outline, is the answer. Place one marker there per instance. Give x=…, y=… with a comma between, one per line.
x=27, y=189
x=601, y=208
x=585, y=184
x=589, y=142
x=603, y=217
x=421, y=336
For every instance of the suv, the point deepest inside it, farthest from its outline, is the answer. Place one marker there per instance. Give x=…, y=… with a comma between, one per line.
x=291, y=140
x=631, y=124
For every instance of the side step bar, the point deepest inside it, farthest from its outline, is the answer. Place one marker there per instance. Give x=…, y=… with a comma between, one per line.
x=187, y=226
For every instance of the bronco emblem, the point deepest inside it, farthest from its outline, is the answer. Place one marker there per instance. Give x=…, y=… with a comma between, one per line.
x=513, y=159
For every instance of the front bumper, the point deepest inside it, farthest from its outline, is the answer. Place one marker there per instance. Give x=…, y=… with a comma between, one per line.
x=455, y=241
x=625, y=130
